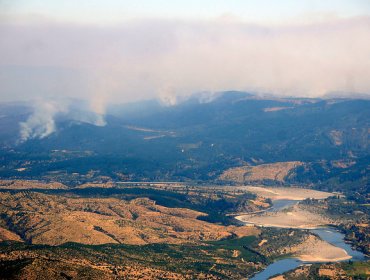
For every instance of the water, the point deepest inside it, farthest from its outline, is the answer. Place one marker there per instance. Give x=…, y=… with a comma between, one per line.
x=330, y=235
x=277, y=267
x=336, y=238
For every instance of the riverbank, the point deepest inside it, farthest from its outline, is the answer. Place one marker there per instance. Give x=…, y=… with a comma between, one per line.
x=322, y=244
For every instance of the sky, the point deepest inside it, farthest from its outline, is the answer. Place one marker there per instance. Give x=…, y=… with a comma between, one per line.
x=122, y=51
x=113, y=11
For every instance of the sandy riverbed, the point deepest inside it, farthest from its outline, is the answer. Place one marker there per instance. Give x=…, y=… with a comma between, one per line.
x=293, y=217
x=314, y=249
x=287, y=193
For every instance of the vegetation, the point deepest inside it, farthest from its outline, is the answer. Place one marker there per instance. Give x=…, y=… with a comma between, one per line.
x=190, y=260
x=242, y=247
x=315, y=143
x=345, y=270
x=352, y=218
x=278, y=242
x=214, y=203
x=200, y=141
x=357, y=270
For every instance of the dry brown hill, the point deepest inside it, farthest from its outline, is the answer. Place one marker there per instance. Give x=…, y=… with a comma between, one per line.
x=28, y=184
x=47, y=219
x=273, y=171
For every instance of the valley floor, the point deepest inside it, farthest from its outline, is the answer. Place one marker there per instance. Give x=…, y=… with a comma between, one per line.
x=103, y=232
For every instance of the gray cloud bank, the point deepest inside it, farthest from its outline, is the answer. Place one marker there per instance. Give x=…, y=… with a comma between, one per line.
x=147, y=58
x=142, y=59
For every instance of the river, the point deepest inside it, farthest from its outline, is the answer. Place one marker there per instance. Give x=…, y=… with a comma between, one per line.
x=329, y=234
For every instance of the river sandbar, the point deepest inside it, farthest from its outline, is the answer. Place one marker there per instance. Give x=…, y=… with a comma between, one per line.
x=293, y=217
x=290, y=193
x=313, y=249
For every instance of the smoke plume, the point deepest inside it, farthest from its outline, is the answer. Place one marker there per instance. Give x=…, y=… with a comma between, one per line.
x=169, y=59
x=42, y=122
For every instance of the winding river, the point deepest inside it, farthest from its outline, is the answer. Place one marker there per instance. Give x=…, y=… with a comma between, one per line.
x=328, y=234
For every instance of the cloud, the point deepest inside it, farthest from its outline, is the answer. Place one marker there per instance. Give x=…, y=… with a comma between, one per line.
x=166, y=58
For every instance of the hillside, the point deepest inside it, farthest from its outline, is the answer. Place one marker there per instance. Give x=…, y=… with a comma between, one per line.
x=276, y=172
x=47, y=219
x=198, y=141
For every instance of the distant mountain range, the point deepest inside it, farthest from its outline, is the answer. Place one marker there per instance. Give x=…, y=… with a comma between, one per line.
x=196, y=140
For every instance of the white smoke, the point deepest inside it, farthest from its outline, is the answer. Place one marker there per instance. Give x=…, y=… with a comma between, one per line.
x=42, y=122
x=168, y=97
x=98, y=106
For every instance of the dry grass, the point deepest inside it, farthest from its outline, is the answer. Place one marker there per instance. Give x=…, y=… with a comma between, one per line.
x=54, y=220
x=26, y=184
x=274, y=171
